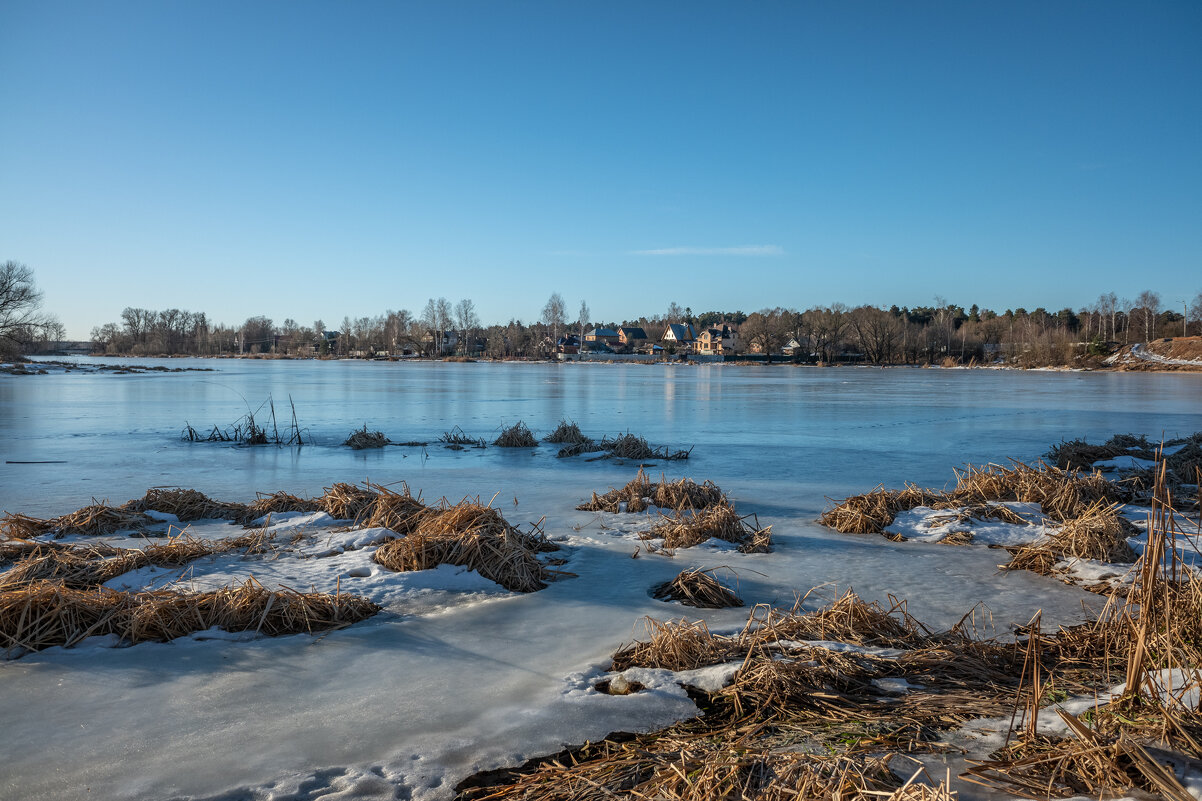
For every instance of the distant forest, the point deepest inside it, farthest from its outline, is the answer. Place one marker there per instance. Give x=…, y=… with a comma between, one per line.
x=897, y=335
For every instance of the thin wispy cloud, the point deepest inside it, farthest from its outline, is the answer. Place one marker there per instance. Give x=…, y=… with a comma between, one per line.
x=742, y=250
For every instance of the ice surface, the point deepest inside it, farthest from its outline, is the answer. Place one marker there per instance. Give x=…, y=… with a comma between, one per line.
x=458, y=675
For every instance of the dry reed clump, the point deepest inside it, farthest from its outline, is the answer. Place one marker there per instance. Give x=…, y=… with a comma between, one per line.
x=246, y=607
x=362, y=438
x=1100, y=533
x=567, y=433
x=686, y=494
x=47, y=614
x=697, y=588
x=870, y=512
x=185, y=504
x=633, y=497
x=74, y=568
x=84, y=567
x=277, y=502
x=846, y=619
x=395, y=511
x=15, y=548
x=516, y=436
x=1183, y=461
x=1143, y=633
x=1061, y=494
x=686, y=529
x=345, y=501
x=472, y=535
x=787, y=693
x=676, y=645
x=640, y=492
x=96, y=520
x=687, y=763
x=457, y=439
x=632, y=446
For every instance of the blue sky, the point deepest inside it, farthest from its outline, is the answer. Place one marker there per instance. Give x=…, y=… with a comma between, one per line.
x=315, y=160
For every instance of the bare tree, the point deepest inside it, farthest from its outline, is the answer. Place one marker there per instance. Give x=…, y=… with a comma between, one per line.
x=555, y=314
x=1148, y=303
x=582, y=320
x=21, y=320
x=877, y=332
x=258, y=335
x=827, y=326
x=467, y=320
x=675, y=314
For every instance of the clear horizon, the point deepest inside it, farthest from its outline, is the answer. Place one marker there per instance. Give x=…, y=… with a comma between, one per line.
x=342, y=160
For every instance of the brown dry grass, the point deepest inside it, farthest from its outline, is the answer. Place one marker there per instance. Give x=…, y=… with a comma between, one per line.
x=82, y=567
x=276, y=502
x=47, y=614
x=1061, y=494
x=396, y=511
x=685, y=529
x=640, y=492
x=632, y=446
x=789, y=698
x=348, y=501
x=185, y=504
x=1100, y=533
x=697, y=588
x=361, y=438
x=96, y=520
x=472, y=535
x=516, y=436
x=568, y=433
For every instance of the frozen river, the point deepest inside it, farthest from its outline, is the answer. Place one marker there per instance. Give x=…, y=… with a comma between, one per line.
x=781, y=438
x=406, y=704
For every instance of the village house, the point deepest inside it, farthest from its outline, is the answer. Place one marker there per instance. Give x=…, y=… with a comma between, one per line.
x=722, y=341
x=599, y=334
x=682, y=335
x=440, y=342
x=569, y=344
x=631, y=337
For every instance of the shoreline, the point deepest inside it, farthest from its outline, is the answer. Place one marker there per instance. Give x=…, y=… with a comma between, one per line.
x=15, y=367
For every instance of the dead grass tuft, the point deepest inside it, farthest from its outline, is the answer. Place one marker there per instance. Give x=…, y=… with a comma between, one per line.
x=345, y=501
x=472, y=535
x=96, y=520
x=1061, y=494
x=685, y=529
x=185, y=504
x=697, y=588
x=362, y=438
x=516, y=436
x=847, y=619
x=676, y=645
x=396, y=511
x=83, y=567
x=568, y=433
x=632, y=446
x=640, y=492
x=47, y=614
x=457, y=439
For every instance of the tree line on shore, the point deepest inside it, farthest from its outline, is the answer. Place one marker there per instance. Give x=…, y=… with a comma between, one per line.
x=894, y=335
x=834, y=333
